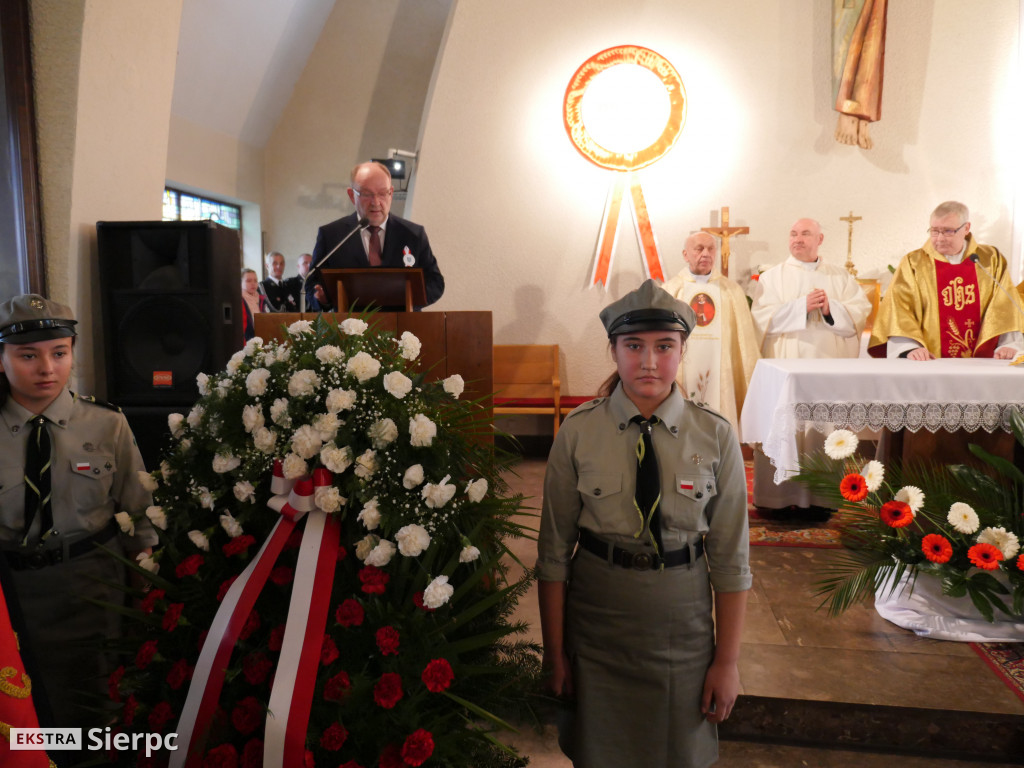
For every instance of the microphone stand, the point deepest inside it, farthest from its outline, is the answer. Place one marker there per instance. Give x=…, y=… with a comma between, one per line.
x=362, y=224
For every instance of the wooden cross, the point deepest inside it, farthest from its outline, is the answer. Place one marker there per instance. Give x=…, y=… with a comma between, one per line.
x=725, y=232
x=849, y=242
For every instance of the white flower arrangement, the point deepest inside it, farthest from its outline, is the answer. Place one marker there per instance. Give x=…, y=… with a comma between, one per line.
x=840, y=444
x=963, y=518
x=157, y=517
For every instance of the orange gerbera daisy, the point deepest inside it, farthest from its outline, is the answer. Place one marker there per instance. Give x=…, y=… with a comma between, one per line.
x=985, y=556
x=854, y=487
x=937, y=548
x=896, y=514
x=1020, y=563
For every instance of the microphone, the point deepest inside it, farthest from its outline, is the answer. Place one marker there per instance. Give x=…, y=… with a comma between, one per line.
x=974, y=257
x=362, y=224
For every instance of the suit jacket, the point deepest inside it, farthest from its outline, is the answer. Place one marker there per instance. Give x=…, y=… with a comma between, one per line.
x=283, y=297
x=399, y=235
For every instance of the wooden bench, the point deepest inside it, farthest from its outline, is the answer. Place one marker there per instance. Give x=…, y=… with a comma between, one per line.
x=526, y=381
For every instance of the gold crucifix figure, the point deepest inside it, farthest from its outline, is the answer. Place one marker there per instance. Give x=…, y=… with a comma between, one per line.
x=725, y=232
x=849, y=242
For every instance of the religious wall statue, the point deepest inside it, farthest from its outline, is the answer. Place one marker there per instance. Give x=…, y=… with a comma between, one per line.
x=858, y=61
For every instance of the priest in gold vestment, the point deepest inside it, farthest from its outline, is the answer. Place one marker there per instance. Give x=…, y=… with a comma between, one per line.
x=944, y=302
x=722, y=349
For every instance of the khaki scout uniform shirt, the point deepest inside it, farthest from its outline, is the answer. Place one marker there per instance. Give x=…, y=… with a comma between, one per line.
x=94, y=473
x=591, y=480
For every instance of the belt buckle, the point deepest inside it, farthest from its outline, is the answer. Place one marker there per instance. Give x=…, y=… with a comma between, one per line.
x=36, y=560
x=642, y=561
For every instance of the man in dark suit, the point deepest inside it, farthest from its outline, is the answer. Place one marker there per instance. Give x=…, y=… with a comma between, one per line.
x=387, y=241
x=282, y=294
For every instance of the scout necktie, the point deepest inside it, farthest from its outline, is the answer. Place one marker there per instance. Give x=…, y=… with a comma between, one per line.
x=37, y=480
x=648, y=482
x=374, y=255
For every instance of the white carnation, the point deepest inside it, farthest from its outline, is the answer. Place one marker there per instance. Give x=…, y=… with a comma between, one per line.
x=362, y=366
x=963, y=517
x=195, y=416
x=454, y=385
x=299, y=327
x=294, y=466
x=468, y=554
x=252, y=418
x=369, y=516
x=340, y=400
x=199, y=539
x=176, y=423
x=327, y=425
x=283, y=353
x=244, y=491
x=840, y=444
x=328, y=498
x=353, y=326
x=912, y=496
x=157, y=517
x=148, y=482
x=146, y=562
x=1003, y=540
x=397, y=384
x=303, y=383
x=476, y=490
x=382, y=433
x=166, y=470
x=329, y=354
x=252, y=346
x=412, y=540
x=231, y=526
x=413, y=476
x=409, y=346
x=381, y=554
x=306, y=441
x=264, y=439
x=205, y=497
x=336, y=459
x=224, y=386
x=438, y=494
x=203, y=384
x=256, y=382
x=225, y=462
x=422, y=431
x=438, y=592
x=125, y=521
x=365, y=545
x=235, y=362
x=279, y=412
x=366, y=464
x=873, y=474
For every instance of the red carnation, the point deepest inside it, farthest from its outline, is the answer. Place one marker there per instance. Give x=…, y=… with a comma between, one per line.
x=387, y=641
x=391, y=757
x=160, y=715
x=247, y=715
x=333, y=738
x=252, y=754
x=145, y=654
x=256, y=667
x=171, y=616
x=282, y=575
x=985, y=556
x=374, y=580
x=114, y=684
x=131, y=706
x=224, y=587
x=896, y=514
x=937, y=548
x=417, y=600
x=854, y=488
x=251, y=625
x=328, y=651
x=1020, y=563
x=388, y=690
x=180, y=674
x=276, y=640
x=418, y=747
x=189, y=566
x=336, y=687
x=438, y=675
x=238, y=544
x=221, y=756
x=350, y=613
x=342, y=553
x=149, y=601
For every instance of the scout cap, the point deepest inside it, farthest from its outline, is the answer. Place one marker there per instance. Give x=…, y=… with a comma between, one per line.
x=648, y=308
x=29, y=317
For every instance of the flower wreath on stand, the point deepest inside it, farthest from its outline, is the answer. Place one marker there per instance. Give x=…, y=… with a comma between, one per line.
x=958, y=524
x=329, y=589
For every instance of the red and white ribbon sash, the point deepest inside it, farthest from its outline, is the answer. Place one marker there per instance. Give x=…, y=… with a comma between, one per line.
x=609, y=235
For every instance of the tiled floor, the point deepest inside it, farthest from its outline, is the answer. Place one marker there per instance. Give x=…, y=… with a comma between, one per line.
x=791, y=650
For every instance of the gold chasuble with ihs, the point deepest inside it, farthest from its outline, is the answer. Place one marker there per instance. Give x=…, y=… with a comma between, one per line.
x=953, y=310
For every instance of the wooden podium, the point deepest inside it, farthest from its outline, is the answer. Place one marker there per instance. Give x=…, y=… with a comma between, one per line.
x=382, y=287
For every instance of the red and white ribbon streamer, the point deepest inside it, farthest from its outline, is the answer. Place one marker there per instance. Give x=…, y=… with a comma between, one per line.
x=609, y=235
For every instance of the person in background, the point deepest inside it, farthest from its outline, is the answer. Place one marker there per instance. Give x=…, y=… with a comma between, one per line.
x=252, y=302
x=643, y=527
x=281, y=292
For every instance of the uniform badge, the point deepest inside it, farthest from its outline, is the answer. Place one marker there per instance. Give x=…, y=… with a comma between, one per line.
x=696, y=458
x=82, y=466
x=407, y=258
x=685, y=485
x=37, y=304
x=88, y=447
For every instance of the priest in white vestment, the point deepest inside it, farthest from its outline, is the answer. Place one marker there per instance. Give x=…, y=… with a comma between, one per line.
x=804, y=308
x=722, y=349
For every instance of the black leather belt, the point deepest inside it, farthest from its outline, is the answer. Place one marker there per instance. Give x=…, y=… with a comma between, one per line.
x=641, y=561
x=32, y=560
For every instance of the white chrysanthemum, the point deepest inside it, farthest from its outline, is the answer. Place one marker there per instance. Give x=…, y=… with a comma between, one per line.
x=336, y=459
x=1003, y=540
x=381, y=554
x=225, y=462
x=283, y=353
x=468, y=554
x=125, y=521
x=256, y=382
x=912, y=496
x=244, y=491
x=326, y=424
x=176, y=423
x=353, y=326
x=328, y=498
x=340, y=400
x=366, y=464
x=264, y=439
x=454, y=385
x=369, y=516
x=157, y=517
x=382, y=433
x=224, y=386
x=203, y=384
x=438, y=494
x=231, y=527
x=412, y=540
x=409, y=346
x=365, y=545
x=205, y=497
x=397, y=384
x=362, y=366
x=195, y=416
x=438, y=592
x=840, y=444
x=303, y=383
x=200, y=540
x=422, y=431
x=279, y=412
x=329, y=354
x=413, y=476
x=252, y=418
x=294, y=466
x=476, y=490
x=306, y=441
x=146, y=562
x=300, y=327
x=235, y=361
x=147, y=481
x=963, y=517
x=873, y=474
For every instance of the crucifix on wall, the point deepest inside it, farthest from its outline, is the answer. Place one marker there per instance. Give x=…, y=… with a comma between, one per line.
x=725, y=232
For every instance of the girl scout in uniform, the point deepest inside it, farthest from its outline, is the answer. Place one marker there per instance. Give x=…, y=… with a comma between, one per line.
x=67, y=465
x=644, y=518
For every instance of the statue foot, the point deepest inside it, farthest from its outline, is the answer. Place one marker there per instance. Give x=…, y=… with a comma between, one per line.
x=846, y=129
x=863, y=137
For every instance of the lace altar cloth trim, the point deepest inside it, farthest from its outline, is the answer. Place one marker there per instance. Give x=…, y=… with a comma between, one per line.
x=950, y=417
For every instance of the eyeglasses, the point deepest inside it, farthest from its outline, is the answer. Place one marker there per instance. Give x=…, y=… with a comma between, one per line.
x=934, y=232
x=371, y=196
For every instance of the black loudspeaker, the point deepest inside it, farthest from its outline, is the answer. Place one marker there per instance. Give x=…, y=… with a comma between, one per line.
x=149, y=425
x=171, y=307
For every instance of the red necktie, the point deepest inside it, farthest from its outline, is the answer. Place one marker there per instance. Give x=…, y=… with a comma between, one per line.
x=374, y=255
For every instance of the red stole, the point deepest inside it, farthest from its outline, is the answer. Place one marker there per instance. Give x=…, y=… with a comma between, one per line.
x=16, y=708
x=960, y=311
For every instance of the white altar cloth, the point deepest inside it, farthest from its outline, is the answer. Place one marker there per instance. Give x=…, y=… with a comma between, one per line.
x=865, y=393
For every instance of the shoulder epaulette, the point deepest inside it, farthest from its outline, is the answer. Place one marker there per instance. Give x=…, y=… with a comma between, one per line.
x=587, y=406
x=708, y=409
x=94, y=401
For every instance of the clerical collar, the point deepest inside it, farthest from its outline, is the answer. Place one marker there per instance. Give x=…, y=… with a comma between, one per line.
x=701, y=278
